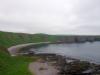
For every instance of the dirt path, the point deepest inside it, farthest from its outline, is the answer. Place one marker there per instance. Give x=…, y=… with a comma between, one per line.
x=39, y=68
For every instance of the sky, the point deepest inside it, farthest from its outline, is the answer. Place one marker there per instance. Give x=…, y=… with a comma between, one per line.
x=50, y=16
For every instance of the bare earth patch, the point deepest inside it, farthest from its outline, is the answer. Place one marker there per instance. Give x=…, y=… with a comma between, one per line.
x=42, y=68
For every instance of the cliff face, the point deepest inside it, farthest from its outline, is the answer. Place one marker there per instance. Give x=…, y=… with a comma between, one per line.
x=77, y=39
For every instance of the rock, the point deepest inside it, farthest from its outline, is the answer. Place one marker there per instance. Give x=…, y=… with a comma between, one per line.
x=76, y=67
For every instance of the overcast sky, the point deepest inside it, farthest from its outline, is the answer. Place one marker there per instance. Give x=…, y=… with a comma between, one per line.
x=50, y=16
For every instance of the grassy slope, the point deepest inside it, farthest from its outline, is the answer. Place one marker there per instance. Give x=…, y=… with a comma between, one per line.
x=14, y=65
x=8, y=39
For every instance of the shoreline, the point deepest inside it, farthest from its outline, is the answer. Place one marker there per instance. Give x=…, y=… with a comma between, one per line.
x=13, y=50
x=67, y=65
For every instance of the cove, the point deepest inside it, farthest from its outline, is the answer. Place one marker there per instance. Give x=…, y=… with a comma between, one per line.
x=89, y=51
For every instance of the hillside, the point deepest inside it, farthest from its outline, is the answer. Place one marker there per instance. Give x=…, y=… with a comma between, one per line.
x=13, y=65
x=8, y=39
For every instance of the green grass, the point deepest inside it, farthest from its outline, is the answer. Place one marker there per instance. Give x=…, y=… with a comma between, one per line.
x=9, y=39
x=14, y=65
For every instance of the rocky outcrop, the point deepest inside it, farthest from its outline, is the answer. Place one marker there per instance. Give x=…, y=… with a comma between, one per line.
x=76, y=39
x=70, y=66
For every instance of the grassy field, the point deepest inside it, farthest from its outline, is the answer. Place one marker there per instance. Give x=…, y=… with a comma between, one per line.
x=14, y=65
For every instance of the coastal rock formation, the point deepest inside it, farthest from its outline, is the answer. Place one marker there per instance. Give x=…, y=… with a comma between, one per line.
x=70, y=66
x=76, y=39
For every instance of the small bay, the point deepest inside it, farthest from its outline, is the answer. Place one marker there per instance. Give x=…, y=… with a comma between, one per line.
x=89, y=51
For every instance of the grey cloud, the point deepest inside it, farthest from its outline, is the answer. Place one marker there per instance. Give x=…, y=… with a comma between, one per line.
x=50, y=16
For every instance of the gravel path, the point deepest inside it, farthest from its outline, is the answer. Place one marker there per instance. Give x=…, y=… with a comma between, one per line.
x=39, y=68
